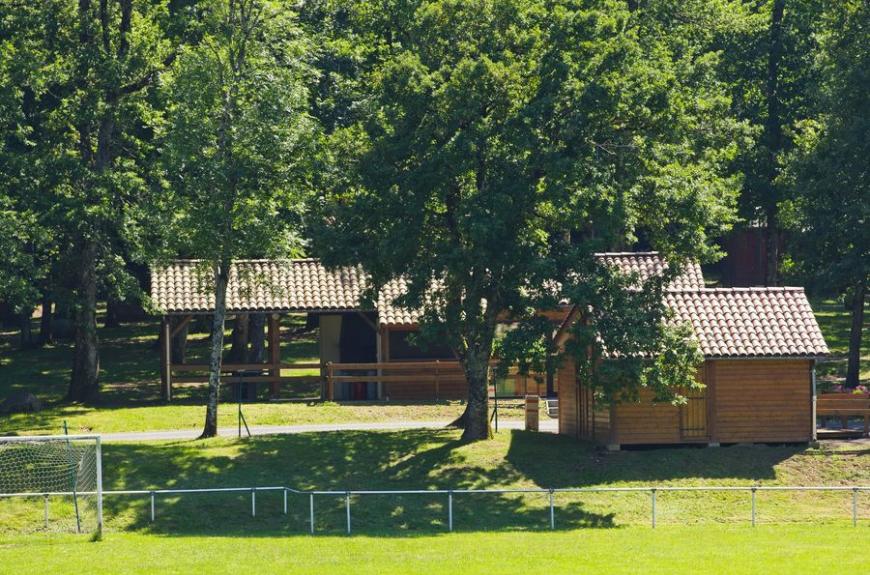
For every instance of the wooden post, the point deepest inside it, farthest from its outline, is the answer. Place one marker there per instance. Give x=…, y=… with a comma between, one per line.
x=166, y=359
x=532, y=412
x=437, y=377
x=274, y=353
x=330, y=383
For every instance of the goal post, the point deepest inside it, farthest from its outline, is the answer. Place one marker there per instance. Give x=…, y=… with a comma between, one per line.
x=52, y=467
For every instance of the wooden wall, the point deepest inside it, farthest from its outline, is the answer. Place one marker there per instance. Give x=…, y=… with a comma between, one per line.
x=568, y=418
x=746, y=401
x=646, y=422
x=763, y=400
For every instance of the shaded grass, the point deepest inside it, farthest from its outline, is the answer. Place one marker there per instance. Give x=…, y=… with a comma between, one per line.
x=426, y=459
x=130, y=397
x=712, y=549
x=835, y=322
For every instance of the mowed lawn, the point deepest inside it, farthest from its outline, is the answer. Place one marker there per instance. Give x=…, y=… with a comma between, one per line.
x=795, y=549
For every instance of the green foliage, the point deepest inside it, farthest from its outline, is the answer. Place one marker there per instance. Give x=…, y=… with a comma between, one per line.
x=831, y=211
x=507, y=142
x=237, y=136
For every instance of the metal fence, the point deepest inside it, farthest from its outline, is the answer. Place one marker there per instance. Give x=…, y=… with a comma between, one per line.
x=450, y=494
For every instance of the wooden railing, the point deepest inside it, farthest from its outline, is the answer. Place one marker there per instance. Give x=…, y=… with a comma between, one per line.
x=412, y=380
x=435, y=379
x=844, y=406
x=230, y=373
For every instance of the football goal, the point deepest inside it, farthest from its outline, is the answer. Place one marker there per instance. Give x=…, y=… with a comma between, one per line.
x=65, y=470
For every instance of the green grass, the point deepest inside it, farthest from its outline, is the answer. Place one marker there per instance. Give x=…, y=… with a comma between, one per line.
x=835, y=322
x=130, y=397
x=188, y=415
x=427, y=459
x=714, y=549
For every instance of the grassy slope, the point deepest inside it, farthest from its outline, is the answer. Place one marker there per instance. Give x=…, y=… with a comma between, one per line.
x=791, y=549
x=423, y=459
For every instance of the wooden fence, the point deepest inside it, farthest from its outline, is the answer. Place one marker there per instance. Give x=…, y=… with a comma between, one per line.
x=844, y=406
x=421, y=380
x=397, y=380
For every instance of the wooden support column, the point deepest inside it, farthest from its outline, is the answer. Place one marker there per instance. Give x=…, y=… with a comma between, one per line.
x=385, y=351
x=274, y=353
x=166, y=358
x=710, y=401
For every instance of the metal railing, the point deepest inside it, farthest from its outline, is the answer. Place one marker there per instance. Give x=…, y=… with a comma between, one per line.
x=450, y=495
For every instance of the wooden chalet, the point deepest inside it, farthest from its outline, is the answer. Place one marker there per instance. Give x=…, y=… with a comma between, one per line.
x=760, y=346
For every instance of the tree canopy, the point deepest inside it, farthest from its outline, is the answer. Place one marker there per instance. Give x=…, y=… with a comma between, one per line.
x=507, y=142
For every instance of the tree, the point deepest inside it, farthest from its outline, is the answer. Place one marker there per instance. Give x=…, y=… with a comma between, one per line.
x=767, y=63
x=507, y=142
x=80, y=75
x=237, y=141
x=829, y=171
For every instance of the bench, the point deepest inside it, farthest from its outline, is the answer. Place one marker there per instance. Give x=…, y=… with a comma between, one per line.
x=844, y=406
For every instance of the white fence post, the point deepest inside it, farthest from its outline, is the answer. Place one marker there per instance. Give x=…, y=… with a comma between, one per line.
x=253, y=502
x=552, y=512
x=152, y=507
x=99, y=457
x=347, y=507
x=311, y=511
x=450, y=510
x=285, y=502
x=753, y=506
x=45, y=509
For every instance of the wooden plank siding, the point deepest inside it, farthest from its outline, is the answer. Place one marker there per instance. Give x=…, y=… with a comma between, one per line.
x=569, y=423
x=646, y=422
x=763, y=400
x=745, y=401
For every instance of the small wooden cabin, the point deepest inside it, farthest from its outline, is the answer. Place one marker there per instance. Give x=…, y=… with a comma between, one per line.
x=760, y=346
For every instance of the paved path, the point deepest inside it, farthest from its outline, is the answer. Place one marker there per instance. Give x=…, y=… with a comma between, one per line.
x=547, y=426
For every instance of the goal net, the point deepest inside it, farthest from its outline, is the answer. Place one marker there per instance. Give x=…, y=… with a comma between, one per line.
x=63, y=473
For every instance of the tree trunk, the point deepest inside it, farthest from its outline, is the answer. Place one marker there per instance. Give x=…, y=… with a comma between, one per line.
x=476, y=417
x=773, y=141
x=257, y=337
x=111, y=314
x=84, y=383
x=854, y=370
x=217, y=346
x=179, y=342
x=26, y=340
x=45, y=334
x=239, y=349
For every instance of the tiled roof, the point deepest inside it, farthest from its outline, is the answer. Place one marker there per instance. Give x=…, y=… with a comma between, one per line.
x=649, y=264
x=388, y=312
x=259, y=285
x=306, y=285
x=750, y=322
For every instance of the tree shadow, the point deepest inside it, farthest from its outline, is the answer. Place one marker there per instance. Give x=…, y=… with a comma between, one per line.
x=563, y=462
x=332, y=461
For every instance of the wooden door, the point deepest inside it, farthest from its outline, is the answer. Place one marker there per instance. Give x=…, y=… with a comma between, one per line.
x=693, y=415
